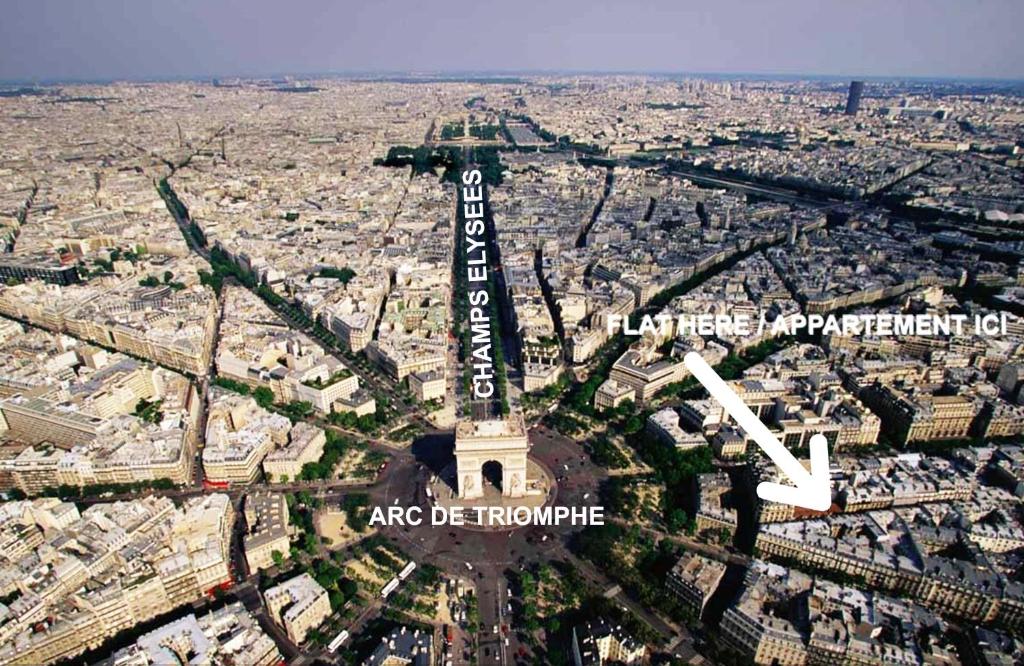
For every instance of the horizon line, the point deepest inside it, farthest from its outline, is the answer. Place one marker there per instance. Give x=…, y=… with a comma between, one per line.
x=456, y=74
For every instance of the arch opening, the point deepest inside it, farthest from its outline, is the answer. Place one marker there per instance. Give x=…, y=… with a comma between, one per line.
x=492, y=472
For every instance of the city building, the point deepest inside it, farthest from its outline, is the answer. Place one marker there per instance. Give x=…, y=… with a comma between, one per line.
x=96, y=573
x=427, y=386
x=298, y=604
x=41, y=267
x=239, y=434
x=647, y=372
x=600, y=642
x=401, y=647
x=853, y=98
x=229, y=635
x=305, y=445
x=267, y=530
x=610, y=394
x=694, y=579
x=664, y=424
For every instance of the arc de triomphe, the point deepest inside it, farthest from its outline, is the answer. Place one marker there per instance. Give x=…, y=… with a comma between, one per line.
x=502, y=441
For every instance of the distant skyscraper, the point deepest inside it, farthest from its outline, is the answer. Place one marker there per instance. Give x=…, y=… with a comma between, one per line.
x=853, y=99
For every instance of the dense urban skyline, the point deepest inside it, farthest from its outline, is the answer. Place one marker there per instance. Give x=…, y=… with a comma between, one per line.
x=339, y=335
x=57, y=40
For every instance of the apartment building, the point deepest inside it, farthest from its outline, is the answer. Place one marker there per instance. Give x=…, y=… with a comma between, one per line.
x=647, y=372
x=427, y=386
x=164, y=556
x=918, y=416
x=610, y=394
x=403, y=646
x=227, y=635
x=584, y=343
x=239, y=434
x=714, y=513
x=305, y=445
x=267, y=529
x=298, y=604
x=694, y=579
x=537, y=377
x=999, y=418
x=764, y=639
x=324, y=390
x=401, y=356
x=964, y=589
x=729, y=442
x=35, y=420
x=664, y=424
x=600, y=642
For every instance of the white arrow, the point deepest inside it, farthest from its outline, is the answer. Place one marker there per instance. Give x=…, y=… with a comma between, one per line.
x=810, y=490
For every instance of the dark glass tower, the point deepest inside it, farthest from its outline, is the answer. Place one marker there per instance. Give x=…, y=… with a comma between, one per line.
x=853, y=99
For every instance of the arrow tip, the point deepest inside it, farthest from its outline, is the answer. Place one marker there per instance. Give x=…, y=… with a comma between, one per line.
x=812, y=492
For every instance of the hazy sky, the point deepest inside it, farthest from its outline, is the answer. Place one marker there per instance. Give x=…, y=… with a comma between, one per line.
x=74, y=39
